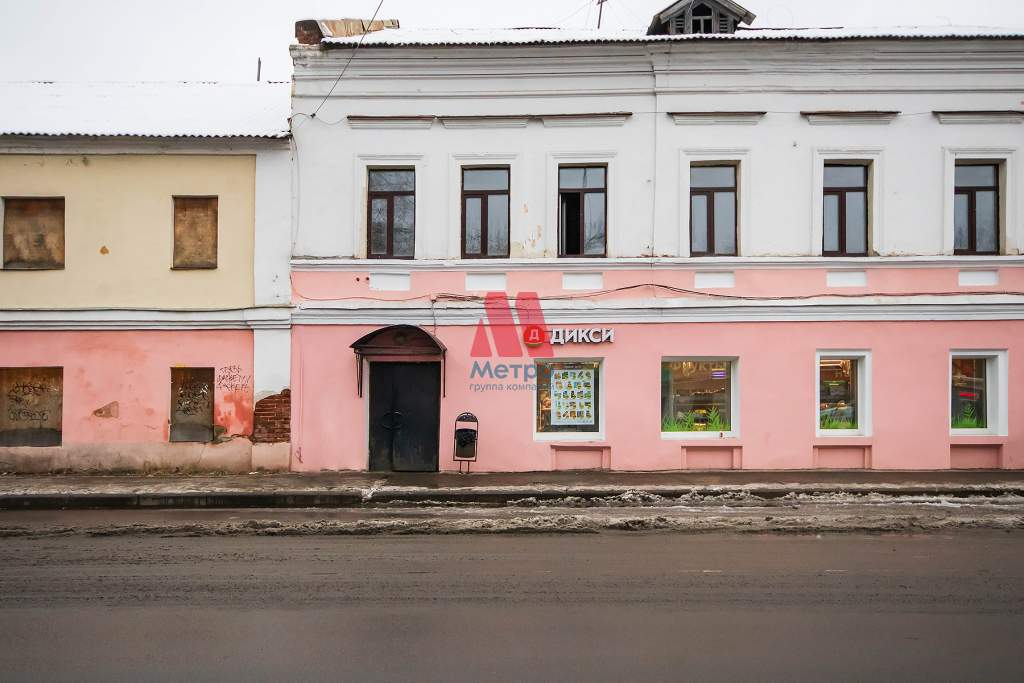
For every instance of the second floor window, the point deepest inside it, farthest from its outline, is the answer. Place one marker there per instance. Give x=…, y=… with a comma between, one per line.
x=391, y=213
x=976, y=209
x=195, y=232
x=485, y=212
x=33, y=233
x=712, y=210
x=582, y=206
x=845, y=210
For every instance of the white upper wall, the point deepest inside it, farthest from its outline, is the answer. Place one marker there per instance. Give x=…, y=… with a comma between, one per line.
x=648, y=154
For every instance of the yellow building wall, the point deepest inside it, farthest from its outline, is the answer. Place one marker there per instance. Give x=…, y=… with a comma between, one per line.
x=119, y=230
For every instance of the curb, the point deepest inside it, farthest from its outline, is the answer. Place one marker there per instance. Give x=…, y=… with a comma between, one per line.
x=352, y=498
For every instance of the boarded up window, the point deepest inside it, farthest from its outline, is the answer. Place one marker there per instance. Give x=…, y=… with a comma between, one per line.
x=31, y=400
x=191, y=404
x=195, y=232
x=33, y=233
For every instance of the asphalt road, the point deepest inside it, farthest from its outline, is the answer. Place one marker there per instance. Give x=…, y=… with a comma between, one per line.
x=613, y=606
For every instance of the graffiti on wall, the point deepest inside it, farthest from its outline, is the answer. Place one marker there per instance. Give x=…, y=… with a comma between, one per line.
x=31, y=401
x=231, y=378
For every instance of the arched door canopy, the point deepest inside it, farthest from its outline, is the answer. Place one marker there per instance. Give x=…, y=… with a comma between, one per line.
x=398, y=340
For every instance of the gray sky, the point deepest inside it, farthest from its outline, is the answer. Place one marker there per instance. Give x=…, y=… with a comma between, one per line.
x=119, y=40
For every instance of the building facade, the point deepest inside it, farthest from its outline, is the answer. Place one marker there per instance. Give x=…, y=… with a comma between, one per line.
x=694, y=247
x=144, y=298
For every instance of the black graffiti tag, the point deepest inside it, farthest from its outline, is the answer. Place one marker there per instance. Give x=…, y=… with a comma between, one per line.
x=193, y=397
x=231, y=378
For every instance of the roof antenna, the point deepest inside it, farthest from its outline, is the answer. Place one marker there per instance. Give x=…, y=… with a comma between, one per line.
x=259, y=68
x=600, y=11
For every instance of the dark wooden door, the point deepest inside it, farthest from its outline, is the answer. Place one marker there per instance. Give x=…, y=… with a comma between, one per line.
x=405, y=416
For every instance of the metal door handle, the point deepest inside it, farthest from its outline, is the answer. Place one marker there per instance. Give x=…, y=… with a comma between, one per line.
x=396, y=420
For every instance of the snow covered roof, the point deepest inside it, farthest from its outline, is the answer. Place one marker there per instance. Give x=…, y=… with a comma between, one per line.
x=146, y=109
x=398, y=37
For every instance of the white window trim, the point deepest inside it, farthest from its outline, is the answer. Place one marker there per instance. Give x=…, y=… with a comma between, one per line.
x=1011, y=223
x=874, y=158
x=360, y=183
x=996, y=391
x=741, y=157
x=734, y=401
x=599, y=435
x=864, y=392
x=516, y=227
x=612, y=190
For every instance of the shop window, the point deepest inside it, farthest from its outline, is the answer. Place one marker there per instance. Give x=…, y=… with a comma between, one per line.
x=845, y=210
x=978, y=392
x=969, y=392
x=713, y=210
x=32, y=405
x=582, y=209
x=976, y=209
x=697, y=396
x=391, y=213
x=568, y=396
x=191, y=404
x=33, y=233
x=485, y=212
x=842, y=394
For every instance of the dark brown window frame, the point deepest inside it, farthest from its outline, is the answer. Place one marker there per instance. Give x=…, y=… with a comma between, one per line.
x=709, y=194
x=482, y=195
x=971, y=193
x=582, y=192
x=389, y=195
x=841, y=193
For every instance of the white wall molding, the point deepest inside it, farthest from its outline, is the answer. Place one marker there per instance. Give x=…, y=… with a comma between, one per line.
x=272, y=361
x=875, y=158
x=742, y=157
x=612, y=224
x=516, y=228
x=727, y=118
x=476, y=122
x=259, y=318
x=979, y=117
x=272, y=228
x=364, y=161
x=849, y=118
x=580, y=120
x=391, y=122
x=579, y=311
x=75, y=144
x=740, y=263
x=1011, y=221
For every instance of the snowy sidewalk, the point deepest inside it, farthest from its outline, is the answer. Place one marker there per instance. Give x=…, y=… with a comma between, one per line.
x=371, y=489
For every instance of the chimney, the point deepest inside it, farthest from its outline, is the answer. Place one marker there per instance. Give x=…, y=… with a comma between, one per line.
x=312, y=31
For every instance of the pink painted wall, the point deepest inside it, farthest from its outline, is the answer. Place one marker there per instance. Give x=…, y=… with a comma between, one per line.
x=910, y=406
x=133, y=368
x=327, y=285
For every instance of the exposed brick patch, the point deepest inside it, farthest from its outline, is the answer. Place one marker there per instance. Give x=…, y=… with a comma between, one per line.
x=272, y=418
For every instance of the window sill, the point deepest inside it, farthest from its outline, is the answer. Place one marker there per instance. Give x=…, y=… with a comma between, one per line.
x=842, y=437
x=593, y=438
x=730, y=437
x=964, y=437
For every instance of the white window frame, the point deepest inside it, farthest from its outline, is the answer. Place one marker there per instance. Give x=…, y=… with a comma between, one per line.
x=734, y=399
x=517, y=184
x=996, y=391
x=1011, y=223
x=864, y=393
x=740, y=157
x=599, y=435
x=361, y=173
x=612, y=189
x=873, y=158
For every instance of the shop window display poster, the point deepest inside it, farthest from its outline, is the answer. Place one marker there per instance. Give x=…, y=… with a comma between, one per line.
x=572, y=397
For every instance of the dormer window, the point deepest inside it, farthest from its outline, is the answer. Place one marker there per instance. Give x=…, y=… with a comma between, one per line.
x=700, y=17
